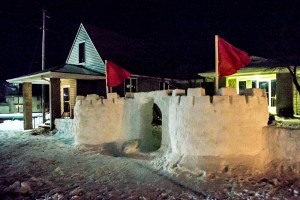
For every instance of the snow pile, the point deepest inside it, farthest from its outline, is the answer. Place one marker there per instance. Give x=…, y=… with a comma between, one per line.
x=12, y=125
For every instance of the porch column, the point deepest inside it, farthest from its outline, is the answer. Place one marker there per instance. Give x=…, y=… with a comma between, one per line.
x=284, y=95
x=27, y=105
x=55, y=110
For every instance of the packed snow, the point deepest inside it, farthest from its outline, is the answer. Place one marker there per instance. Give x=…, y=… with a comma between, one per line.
x=38, y=164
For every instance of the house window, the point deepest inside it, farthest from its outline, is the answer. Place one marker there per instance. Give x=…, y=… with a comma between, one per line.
x=273, y=93
x=66, y=99
x=264, y=85
x=232, y=83
x=81, y=52
x=163, y=85
x=242, y=85
x=253, y=83
x=131, y=85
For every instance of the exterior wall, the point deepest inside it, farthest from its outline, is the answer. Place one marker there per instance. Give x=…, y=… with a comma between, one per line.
x=93, y=60
x=264, y=81
x=97, y=121
x=72, y=84
x=296, y=100
x=4, y=108
x=147, y=85
x=14, y=101
x=85, y=87
x=284, y=92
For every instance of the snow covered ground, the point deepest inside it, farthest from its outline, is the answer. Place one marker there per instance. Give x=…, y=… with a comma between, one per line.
x=52, y=167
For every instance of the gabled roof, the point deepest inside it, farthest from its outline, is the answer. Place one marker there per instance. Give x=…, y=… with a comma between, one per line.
x=66, y=71
x=141, y=57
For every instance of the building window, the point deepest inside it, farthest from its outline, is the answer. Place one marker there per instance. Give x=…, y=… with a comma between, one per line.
x=265, y=86
x=232, y=83
x=81, y=52
x=253, y=84
x=273, y=93
x=131, y=85
x=66, y=99
x=163, y=85
x=242, y=85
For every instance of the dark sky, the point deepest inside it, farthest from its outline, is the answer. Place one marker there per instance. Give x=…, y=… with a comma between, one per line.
x=262, y=28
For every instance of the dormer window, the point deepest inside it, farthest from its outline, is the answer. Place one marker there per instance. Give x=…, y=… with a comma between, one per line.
x=81, y=52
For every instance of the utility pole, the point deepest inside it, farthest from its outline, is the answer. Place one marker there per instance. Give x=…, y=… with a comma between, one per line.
x=43, y=63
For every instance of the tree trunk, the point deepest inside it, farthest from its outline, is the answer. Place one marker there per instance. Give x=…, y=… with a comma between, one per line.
x=294, y=76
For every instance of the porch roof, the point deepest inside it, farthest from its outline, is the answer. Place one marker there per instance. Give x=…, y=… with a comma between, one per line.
x=66, y=71
x=258, y=66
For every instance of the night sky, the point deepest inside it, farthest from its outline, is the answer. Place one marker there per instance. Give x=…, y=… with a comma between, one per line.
x=268, y=29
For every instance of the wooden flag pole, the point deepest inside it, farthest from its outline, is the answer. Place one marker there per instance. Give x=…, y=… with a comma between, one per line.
x=216, y=65
x=106, y=78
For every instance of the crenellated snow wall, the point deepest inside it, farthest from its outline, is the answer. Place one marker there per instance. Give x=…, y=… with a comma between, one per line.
x=218, y=125
x=199, y=132
x=98, y=121
x=191, y=125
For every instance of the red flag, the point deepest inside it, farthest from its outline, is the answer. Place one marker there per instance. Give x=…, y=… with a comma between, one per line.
x=115, y=75
x=230, y=58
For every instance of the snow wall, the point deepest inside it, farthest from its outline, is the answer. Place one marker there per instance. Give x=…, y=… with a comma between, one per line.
x=199, y=133
x=191, y=125
x=100, y=121
x=281, y=149
x=97, y=120
x=218, y=125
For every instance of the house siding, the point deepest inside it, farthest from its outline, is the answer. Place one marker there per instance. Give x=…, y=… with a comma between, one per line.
x=296, y=99
x=93, y=60
x=285, y=95
x=72, y=83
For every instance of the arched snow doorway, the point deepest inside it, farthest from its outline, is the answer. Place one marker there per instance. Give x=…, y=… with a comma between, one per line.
x=156, y=127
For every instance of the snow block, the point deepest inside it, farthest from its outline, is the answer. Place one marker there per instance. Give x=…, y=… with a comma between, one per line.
x=227, y=91
x=178, y=92
x=129, y=95
x=92, y=97
x=112, y=96
x=255, y=92
x=196, y=92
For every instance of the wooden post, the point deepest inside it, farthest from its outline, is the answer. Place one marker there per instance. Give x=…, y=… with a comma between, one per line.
x=27, y=105
x=107, y=91
x=55, y=109
x=216, y=64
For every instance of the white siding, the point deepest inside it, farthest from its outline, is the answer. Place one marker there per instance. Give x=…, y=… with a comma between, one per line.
x=93, y=60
